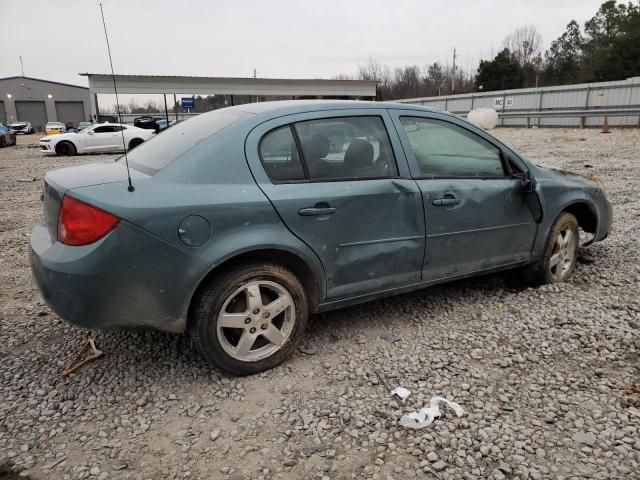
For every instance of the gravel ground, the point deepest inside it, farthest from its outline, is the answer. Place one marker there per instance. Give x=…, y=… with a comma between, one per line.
x=540, y=372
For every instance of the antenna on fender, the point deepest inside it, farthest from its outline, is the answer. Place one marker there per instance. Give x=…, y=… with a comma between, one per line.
x=115, y=89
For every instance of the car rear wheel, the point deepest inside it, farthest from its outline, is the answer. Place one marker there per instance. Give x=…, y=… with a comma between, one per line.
x=66, y=148
x=3, y=142
x=250, y=318
x=560, y=254
x=134, y=143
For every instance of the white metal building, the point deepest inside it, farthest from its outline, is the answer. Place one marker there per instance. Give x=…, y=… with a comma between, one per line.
x=40, y=101
x=263, y=87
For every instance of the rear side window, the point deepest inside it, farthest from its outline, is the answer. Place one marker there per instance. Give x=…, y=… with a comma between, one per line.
x=341, y=148
x=163, y=149
x=446, y=150
x=280, y=155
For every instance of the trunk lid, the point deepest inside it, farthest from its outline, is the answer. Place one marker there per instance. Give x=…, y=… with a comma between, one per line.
x=57, y=182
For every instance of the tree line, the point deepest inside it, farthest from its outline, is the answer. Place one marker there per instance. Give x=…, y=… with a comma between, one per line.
x=606, y=47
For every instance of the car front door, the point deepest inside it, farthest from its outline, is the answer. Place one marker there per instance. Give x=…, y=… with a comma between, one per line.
x=475, y=208
x=102, y=138
x=340, y=183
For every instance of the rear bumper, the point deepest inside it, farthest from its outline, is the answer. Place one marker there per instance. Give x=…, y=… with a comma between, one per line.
x=129, y=278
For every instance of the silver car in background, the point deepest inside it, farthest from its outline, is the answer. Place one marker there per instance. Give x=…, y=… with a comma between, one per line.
x=24, y=128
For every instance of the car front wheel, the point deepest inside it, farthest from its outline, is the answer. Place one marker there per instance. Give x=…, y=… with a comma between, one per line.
x=560, y=254
x=250, y=318
x=66, y=148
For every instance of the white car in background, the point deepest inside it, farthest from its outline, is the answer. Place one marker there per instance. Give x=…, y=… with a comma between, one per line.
x=99, y=138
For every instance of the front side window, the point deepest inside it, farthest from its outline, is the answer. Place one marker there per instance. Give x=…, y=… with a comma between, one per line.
x=104, y=129
x=446, y=150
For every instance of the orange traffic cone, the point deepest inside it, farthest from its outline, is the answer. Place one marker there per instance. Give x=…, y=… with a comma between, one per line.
x=605, y=126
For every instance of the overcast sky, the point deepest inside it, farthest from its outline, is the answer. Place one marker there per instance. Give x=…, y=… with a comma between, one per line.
x=298, y=39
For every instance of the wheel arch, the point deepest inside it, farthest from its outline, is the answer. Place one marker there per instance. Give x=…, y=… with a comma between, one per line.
x=134, y=142
x=285, y=258
x=585, y=214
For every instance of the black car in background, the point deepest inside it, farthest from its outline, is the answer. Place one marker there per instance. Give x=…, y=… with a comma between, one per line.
x=150, y=123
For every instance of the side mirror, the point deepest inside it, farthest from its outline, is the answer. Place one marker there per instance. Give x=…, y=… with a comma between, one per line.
x=90, y=132
x=533, y=199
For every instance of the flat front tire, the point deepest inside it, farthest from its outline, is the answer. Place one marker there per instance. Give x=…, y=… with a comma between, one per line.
x=250, y=318
x=560, y=253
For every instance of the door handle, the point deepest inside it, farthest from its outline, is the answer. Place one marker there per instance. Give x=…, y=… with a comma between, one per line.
x=446, y=201
x=318, y=209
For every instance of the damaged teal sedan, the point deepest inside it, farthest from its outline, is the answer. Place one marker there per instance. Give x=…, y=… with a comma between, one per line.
x=238, y=224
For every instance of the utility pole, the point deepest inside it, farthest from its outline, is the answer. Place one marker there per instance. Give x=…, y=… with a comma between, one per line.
x=21, y=66
x=254, y=77
x=453, y=75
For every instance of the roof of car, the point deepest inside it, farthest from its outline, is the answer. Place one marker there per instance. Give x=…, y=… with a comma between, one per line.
x=301, y=106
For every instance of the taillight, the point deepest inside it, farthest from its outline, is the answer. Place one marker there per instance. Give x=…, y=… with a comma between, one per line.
x=81, y=224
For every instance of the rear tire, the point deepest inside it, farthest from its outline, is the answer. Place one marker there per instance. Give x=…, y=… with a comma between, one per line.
x=3, y=142
x=561, y=251
x=249, y=318
x=135, y=142
x=66, y=149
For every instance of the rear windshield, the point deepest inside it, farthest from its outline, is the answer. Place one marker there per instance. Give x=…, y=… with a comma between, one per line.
x=166, y=147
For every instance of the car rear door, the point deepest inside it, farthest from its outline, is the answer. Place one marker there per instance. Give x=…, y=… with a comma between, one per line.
x=475, y=209
x=340, y=182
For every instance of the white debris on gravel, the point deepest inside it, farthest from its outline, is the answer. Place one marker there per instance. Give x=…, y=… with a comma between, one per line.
x=425, y=416
x=540, y=371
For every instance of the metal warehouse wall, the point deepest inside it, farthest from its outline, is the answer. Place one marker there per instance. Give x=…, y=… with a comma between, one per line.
x=14, y=90
x=546, y=105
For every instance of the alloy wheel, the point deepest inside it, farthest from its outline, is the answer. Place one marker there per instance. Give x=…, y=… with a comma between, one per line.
x=563, y=254
x=256, y=321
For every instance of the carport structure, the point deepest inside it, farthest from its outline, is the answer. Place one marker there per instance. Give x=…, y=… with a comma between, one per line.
x=262, y=87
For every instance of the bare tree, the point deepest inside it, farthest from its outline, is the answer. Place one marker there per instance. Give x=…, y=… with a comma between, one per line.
x=374, y=70
x=524, y=44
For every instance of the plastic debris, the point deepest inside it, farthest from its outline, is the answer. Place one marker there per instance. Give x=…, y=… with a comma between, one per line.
x=425, y=416
x=486, y=118
x=390, y=338
x=79, y=361
x=400, y=393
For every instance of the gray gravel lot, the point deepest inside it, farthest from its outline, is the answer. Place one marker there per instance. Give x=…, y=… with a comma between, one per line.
x=540, y=372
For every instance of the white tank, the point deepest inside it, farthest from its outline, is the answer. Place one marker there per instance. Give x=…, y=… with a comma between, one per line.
x=486, y=118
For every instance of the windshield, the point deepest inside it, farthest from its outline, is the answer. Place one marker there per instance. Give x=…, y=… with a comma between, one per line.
x=18, y=125
x=158, y=152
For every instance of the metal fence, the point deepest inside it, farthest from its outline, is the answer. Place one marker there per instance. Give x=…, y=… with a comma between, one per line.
x=583, y=105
